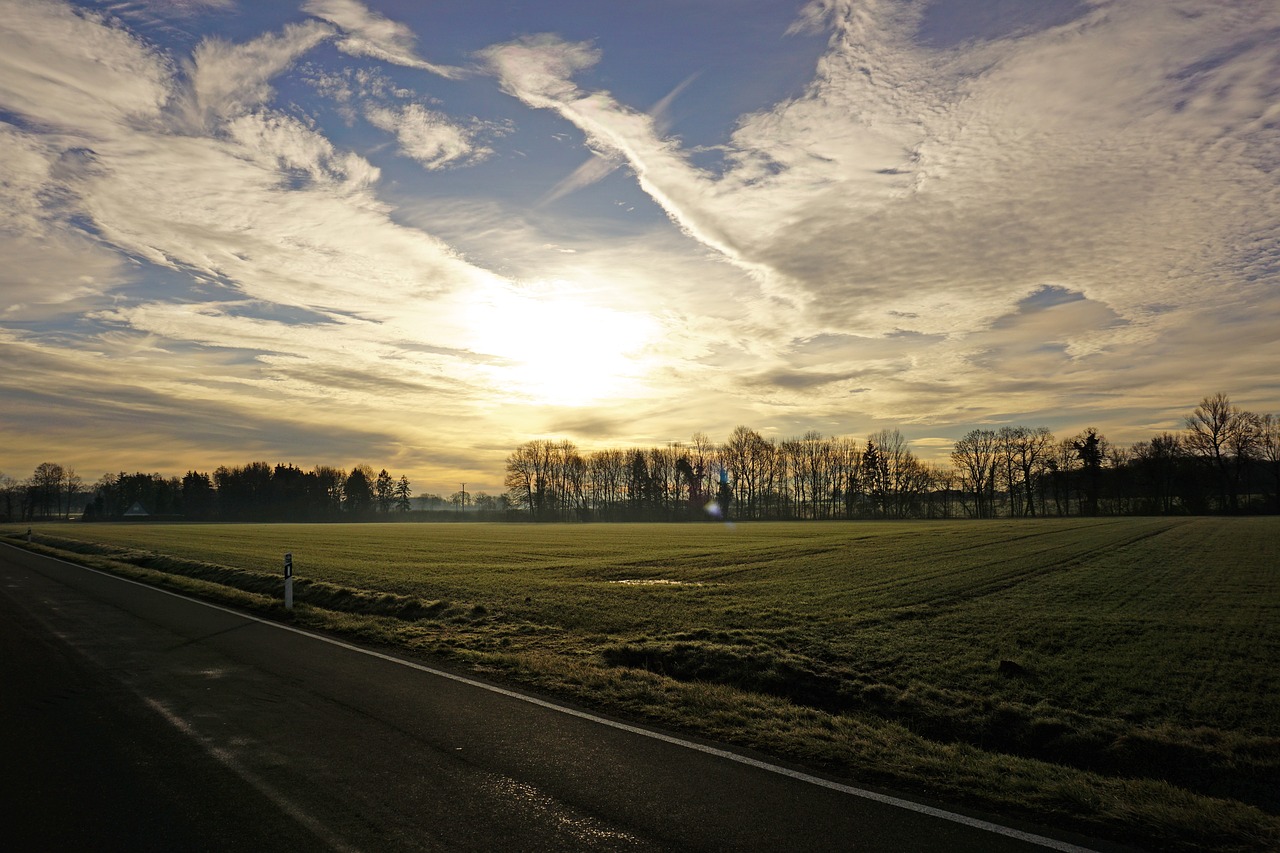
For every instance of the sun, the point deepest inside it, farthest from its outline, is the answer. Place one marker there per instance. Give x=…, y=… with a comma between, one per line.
x=553, y=345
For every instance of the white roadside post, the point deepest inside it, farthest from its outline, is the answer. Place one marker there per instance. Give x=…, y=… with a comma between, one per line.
x=288, y=581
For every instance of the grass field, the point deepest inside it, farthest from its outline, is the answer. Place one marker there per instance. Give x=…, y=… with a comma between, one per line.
x=1119, y=676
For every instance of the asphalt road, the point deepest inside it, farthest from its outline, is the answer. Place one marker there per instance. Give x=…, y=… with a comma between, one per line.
x=135, y=719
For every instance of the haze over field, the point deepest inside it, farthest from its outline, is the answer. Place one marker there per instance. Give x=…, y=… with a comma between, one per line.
x=419, y=234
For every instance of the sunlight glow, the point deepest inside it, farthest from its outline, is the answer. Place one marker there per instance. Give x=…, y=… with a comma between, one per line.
x=556, y=347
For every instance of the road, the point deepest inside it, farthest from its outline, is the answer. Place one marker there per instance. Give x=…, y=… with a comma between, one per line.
x=135, y=719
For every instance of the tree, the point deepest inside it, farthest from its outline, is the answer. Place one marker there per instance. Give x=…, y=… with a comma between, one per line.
x=974, y=458
x=748, y=457
x=1156, y=465
x=639, y=485
x=9, y=496
x=572, y=480
x=384, y=491
x=894, y=478
x=1223, y=436
x=46, y=490
x=460, y=499
x=71, y=484
x=198, y=496
x=606, y=482
x=329, y=483
x=529, y=476
x=1091, y=449
x=1025, y=453
x=357, y=491
x=1269, y=454
x=403, y=494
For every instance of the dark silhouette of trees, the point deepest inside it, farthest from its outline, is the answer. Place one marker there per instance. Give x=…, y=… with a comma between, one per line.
x=1223, y=436
x=116, y=494
x=402, y=495
x=1159, y=467
x=1091, y=450
x=526, y=475
x=1026, y=453
x=357, y=492
x=253, y=492
x=10, y=498
x=199, y=500
x=384, y=491
x=975, y=459
x=1268, y=448
x=46, y=490
x=1012, y=471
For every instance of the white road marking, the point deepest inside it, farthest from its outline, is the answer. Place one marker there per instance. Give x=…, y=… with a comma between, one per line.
x=226, y=759
x=897, y=802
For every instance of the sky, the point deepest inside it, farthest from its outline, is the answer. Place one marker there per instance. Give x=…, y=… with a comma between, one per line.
x=417, y=234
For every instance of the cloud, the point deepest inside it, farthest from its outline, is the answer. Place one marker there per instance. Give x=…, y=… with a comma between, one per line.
x=428, y=136
x=600, y=166
x=228, y=80
x=241, y=194
x=1125, y=151
x=154, y=202
x=129, y=394
x=1063, y=215
x=102, y=77
x=538, y=70
x=366, y=33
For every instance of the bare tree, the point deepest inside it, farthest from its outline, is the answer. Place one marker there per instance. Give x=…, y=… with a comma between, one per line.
x=1223, y=435
x=46, y=489
x=71, y=484
x=9, y=495
x=528, y=470
x=1156, y=464
x=1029, y=452
x=896, y=479
x=1269, y=453
x=943, y=480
x=975, y=458
x=748, y=457
x=606, y=477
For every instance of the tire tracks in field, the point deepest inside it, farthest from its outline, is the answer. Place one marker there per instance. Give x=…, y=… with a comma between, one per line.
x=934, y=605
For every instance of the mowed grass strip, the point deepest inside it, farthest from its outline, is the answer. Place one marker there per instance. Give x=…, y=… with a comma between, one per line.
x=1118, y=675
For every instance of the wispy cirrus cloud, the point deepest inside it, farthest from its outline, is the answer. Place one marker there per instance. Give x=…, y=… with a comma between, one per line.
x=227, y=79
x=366, y=33
x=427, y=136
x=602, y=164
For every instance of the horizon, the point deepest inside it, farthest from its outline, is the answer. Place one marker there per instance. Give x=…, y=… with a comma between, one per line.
x=335, y=232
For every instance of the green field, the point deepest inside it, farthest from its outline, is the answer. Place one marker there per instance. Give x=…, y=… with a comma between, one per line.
x=1119, y=676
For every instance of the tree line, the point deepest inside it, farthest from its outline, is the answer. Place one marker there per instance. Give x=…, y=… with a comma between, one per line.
x=253, y=492
x=1226, y=460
